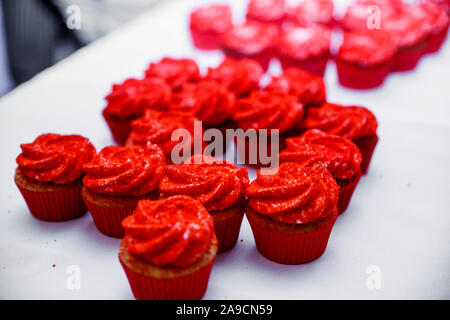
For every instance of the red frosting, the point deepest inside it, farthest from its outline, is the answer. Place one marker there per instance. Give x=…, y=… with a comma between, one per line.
x=357, y=15
x=212, y=18
x=350, y=122
x=340, y=155
x=207, y=100
x=294, y=193
x=239, y=76
x=308, y=87
x=131, y=98
x=251, y=38
x=368, y=48
x=268, y=110
x=125, y=171
x=436, y=19
x=314, y=11
x=176, y=72
x=217, y=184
x=55, y=158
x=302, y=43
x=266, y=10
x=157, y=127
x=176, y=231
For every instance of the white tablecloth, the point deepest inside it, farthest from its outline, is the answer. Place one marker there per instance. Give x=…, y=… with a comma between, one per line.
x=398, y=220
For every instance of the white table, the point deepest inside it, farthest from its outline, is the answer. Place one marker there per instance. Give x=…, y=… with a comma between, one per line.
x=398, y=220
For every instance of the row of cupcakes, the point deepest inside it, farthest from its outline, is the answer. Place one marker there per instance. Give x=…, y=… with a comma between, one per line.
x=372, y=46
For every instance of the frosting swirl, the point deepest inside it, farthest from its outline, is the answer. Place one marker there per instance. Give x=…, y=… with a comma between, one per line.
x=349, y=122
x=266, y=10
x=212, y=18
x=125, y=171
x=314, y=11
x=268, y=110
x=340, y=155
x=175, y=72
x=176, y=231
x=55, y=158
x=294, y=193
x=131, y=98
x=217, y=184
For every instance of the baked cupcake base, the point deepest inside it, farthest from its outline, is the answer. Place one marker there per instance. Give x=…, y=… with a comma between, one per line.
x=227, y=224
x=109, y=211
x=407, y=58
x=288, y=244
x=435, y=41
x=49, y=201
x=367, y=146
x=358, y=77
x=347, y=186
x=150, y=282
x=315, y=65
x=205, y=40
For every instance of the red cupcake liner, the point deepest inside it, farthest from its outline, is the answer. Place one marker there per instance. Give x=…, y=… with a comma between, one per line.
x=435, y=42
x=120, y=129
x=358, y=77
x=262, y=58
x=315, y=65
x=61, y=205
x=227, y=230
x=290, y=248
x=367, y=146
x=348, y=186
x=188, y=287
x=205, y=40
x=407, y=58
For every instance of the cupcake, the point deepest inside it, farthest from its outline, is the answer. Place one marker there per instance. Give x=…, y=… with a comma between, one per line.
x=309, y=88
x=354, y=122
x=443, y=4
x=339, y=155
x=365, y=58
x=436, y=22
x=116, y=179
x=218, y=185
x=269, y=111
x=169, y=249
x=266, y=11
x=252, y=40
x=305, y=47
x=49, y=175
x=239, y=76
x=291, y=211
x=157, y=127
x=207, y=24
x=175, y=72
x=314, y=12
x=129, y=100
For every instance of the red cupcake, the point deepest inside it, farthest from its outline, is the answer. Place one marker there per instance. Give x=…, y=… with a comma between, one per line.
x=436, y=22
x=218, y=185
x=354, y=122
x=305, y=47
x=239, y=76
x=49, y=175
x=116, y=179
x=267, y=11
x=207, y=25
x=291, y=211
x=313, y=12
x=308, y=87
x=169, y=249
x=252, y=40
x=129, y=100
x=365, y=58
x=266, y=110
x=444, y=4
x=339, y=155
x=175, y=72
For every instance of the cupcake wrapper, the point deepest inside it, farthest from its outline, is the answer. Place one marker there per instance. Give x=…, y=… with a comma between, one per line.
x=227, y=231
x=356, y=77
x=314, y=65
x=119, y=129
x=346, y=191
x=407, y=58
x=188, y=287
x=205, y=40
x=291, y=248
x=435, y=42
x=367, y=146
x=262, y=58
x=60, y=205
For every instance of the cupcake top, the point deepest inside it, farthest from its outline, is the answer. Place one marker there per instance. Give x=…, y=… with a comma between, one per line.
x=216, y=183
x=157, y=127
x=268, y=110
x=250, y=38
x=131, y=98
x=308, y=87
x=207, y=100
x=266, y=10
x=294, y=194
x=176, y=231
x=314, y=11
x=55, y=158
x=339, y=155
x=357, y=13
x=302, y=43
x=349, y=122
x=214, y=18
x=436, y=19
x=176, y=72
x=368, y=48
x=239, y=76
x=125, y=171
